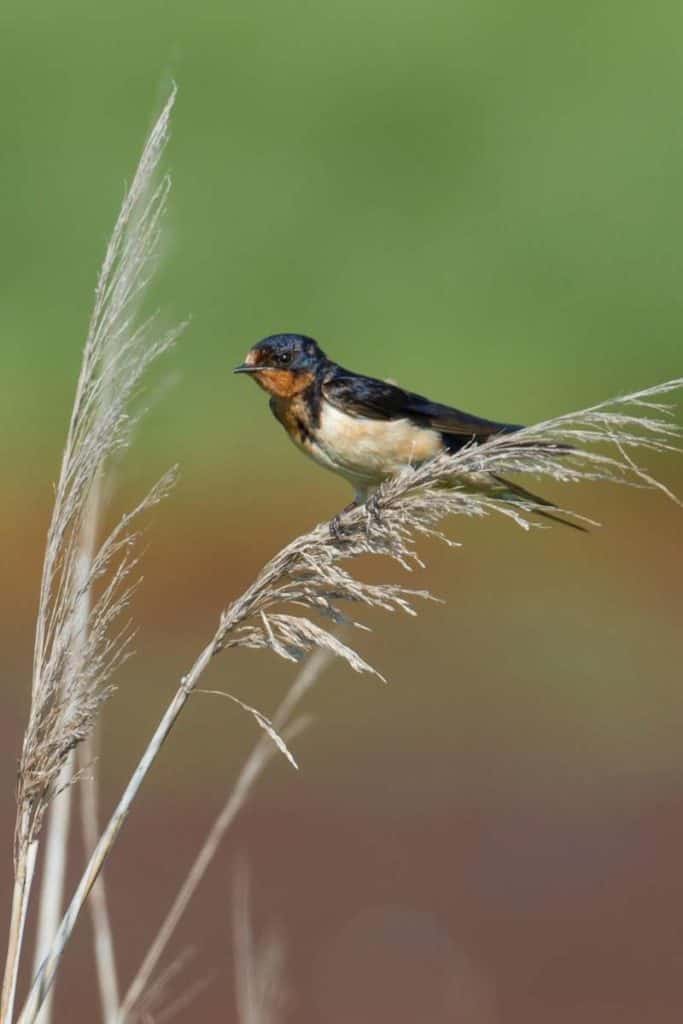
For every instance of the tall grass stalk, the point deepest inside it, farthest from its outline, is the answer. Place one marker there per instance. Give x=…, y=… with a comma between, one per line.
x=251, y=770
x=259, y=965
x=102, y=932
x=59, y=816
x=87, y=585
x=51, y=896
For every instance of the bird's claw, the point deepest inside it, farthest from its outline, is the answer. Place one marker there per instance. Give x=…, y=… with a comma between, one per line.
x=336, y=531
x=373, y=510
x=336, y=528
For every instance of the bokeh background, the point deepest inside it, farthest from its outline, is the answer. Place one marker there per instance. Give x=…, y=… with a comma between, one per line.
x=483, y=201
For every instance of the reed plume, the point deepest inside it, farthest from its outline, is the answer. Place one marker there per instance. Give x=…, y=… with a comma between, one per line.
x=596, y=444
x=87, y=583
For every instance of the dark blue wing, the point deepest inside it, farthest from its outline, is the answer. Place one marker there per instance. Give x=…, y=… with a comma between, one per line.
x=376, y=399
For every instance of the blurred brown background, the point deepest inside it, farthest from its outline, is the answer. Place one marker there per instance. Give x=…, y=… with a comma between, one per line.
x=481, y=201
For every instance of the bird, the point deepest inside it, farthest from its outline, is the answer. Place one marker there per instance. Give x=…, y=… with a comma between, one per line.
x=362, y=428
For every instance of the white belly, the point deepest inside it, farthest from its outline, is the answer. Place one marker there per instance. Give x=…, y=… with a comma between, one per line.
x=366, y=451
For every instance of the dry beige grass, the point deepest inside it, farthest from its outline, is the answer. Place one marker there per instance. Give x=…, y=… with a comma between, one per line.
x=81, y=632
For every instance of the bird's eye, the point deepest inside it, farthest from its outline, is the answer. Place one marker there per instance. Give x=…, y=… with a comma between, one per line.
x=284, y=358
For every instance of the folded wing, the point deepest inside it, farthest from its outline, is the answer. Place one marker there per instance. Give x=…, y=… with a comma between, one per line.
x=376, y=399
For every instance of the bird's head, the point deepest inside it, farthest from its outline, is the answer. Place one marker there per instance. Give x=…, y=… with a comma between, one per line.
x=283, y=364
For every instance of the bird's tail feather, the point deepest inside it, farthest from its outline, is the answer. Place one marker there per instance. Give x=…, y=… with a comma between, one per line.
x=514, y=492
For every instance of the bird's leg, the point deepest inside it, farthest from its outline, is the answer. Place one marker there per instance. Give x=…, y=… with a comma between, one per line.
x=336, y=530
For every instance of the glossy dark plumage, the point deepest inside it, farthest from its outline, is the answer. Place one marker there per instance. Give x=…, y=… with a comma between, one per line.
x=377, y=399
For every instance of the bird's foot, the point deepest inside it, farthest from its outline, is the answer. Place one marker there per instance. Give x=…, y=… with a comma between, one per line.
x=373, y=510
x=336, y=532
x=336, y=527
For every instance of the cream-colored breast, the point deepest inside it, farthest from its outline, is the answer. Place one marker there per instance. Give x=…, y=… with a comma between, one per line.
x=369, y=450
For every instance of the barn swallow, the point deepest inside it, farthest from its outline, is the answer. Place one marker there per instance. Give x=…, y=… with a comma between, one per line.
x=362, y=428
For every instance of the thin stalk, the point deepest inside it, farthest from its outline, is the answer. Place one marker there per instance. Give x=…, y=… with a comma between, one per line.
x=103, y=938
x=54, y=868
x=53, y=874
x=23, y=877
x=251, y=769
x=258, y=965
x=46, y=973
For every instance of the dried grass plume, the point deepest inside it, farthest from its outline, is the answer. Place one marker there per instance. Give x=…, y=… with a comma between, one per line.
x=81, y=632
x=309, y=580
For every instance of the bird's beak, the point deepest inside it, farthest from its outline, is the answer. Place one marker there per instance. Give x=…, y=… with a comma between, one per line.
x=246, y=368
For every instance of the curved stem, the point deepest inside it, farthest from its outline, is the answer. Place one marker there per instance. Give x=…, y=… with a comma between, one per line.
x=23, y=877
x=46, y=973
x=53, y=872
x=103, y=939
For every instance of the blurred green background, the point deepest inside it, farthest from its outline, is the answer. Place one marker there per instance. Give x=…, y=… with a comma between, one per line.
x=481, y=201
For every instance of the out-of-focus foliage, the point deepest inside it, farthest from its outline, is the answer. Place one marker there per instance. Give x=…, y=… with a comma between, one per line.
x=480, y=200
